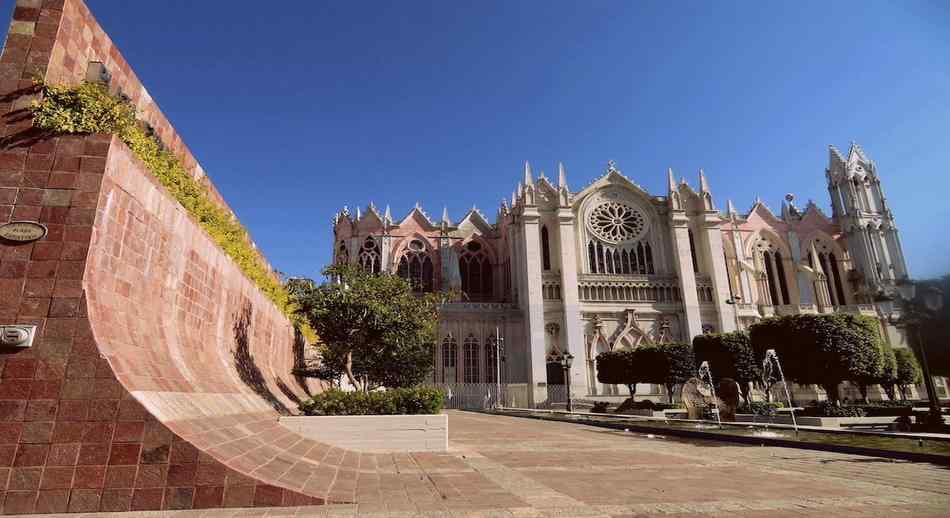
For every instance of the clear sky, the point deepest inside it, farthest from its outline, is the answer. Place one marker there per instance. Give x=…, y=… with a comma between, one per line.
x=298, y=108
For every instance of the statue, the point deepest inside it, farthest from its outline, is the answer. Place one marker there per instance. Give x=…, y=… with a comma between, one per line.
x=696, y=395
x=728, y=393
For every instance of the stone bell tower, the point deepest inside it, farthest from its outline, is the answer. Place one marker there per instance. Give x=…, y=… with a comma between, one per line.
x=859, y=206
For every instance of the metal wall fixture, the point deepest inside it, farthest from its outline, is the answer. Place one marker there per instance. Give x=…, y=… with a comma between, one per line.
x=17, y=336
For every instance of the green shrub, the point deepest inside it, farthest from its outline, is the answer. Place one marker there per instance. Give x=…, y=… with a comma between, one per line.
x=829, y=409
x=90, y=108
x=416, y=400
x=760, y=408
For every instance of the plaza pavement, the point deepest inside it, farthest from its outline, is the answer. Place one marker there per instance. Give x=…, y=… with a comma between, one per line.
x=512, y=467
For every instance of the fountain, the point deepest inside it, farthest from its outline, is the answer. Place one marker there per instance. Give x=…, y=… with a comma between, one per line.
x=705, y=375
x=771, y=359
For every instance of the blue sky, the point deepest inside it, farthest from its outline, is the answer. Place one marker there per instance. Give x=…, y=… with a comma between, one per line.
x=298, y=108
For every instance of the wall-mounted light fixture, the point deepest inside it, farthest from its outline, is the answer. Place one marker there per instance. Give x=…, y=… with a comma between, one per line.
x=17, y=336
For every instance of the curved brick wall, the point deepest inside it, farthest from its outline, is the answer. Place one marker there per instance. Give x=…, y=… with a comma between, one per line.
x=159, y=371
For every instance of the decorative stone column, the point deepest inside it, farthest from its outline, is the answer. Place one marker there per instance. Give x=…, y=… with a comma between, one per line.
x=533, y=303
x=719, y=274
x=802, y=278
x=573, y=340
x=684, y=269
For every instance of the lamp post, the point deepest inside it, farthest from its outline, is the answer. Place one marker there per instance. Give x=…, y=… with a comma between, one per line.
x=734, y=302
x=566, y=360
x=499, y=351
x=913, y=314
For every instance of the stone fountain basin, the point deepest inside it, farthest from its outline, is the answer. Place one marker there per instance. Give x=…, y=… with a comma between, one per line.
x=824, y=422
x=905, y=446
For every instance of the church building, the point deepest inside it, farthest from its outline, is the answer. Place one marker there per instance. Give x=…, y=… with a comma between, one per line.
x=612, y=265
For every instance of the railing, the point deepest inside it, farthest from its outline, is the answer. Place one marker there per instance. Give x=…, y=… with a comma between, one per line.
x=477, y=306
x=596, y=288
x=860, y=309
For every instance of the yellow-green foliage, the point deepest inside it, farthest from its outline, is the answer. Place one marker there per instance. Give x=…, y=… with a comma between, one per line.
x=91, y=108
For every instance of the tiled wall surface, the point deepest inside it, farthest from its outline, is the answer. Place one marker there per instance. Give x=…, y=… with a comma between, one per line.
x=158, y=371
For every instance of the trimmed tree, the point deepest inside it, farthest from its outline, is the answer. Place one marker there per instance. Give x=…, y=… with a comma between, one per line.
x=822, y=349
x=680, y=365
x=616, y=368
x=374, y=330
x=662, y=364
x=908, y=371
x=888, y=378
x=731, y=356
x=934, y=331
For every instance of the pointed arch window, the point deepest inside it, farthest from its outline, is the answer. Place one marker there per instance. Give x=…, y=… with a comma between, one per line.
x=692, y=250
x=370, y=257
x=415, y=267
x=449, y=357
x=476, y=271
x=342, y=255
x=829, y=265
x=620, y=260
x=773, y=289
x=545, y=249
x=470, y=355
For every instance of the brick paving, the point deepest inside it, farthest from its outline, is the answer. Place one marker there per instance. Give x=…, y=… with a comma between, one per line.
x=511, y=467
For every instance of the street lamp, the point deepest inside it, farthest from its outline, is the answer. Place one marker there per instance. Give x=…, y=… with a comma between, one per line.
x=917, y=307
x=499, y=352
x=734, y=302
x=566, y=360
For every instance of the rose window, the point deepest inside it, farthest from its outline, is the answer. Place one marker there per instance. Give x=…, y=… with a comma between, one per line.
x=615, y=222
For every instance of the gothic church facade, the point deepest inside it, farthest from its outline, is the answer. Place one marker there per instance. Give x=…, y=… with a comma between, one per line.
x=612, y=265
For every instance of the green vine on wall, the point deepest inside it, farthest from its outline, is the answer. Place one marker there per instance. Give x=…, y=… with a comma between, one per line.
x=91, y=108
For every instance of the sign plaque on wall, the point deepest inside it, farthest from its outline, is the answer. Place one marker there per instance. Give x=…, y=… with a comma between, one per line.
x=22, y=231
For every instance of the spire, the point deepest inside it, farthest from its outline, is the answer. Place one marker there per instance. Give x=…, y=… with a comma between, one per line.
x=359, y=214
x=730, y=207
x=514, y=198
x=672, y=180
x=542, y=175
x=520, y=189
x=445, y=216
x=703, y=184
x=527, y=174
x=388, y=215
x=561, y=176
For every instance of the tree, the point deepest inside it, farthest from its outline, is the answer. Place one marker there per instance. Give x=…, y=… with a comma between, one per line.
x=822, y=349
x=908, y=371
x=731, y=356
x=617, y=368
x=373, y=329
x=888, y=377
x=662, y=364
x=934, y=332
x=680, y=365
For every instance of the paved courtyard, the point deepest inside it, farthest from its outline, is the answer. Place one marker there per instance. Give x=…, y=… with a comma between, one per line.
x=511, y=467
